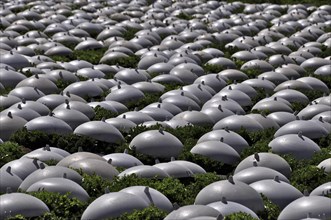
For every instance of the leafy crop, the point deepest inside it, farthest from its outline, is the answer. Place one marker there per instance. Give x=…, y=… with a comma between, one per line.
x=61, y=206
x=10, y=151
x=149, y=213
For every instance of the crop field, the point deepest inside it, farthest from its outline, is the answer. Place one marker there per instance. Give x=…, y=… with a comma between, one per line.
x=160, y=109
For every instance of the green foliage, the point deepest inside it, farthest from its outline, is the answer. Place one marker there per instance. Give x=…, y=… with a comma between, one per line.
x=261, y=94
x=239, y=216
x=61, y=206
x=142, y=103
x=298, y=106
x=149, y=213
x=305, y=174
x=92, y=56
x=10, y=151
x=271, y=210
x=30, y=139
x=130, y=33
x=209, y=68
x=71, y=142
x=101, y=113
x=180, y=191
x=128, y=62
x=62, y=84
x=184, y=16
x=258, y=141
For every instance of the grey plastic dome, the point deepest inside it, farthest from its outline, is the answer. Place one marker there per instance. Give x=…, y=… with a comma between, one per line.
x=322, y=190
x=9, y=180
x=27, y=93
x=311, y=110
x=174, y=170
x=309, y=129
x=236, y=122
x=149, y=87
x=151, y=196
x=72, y=117
x=25, y=113
x=50, y=172
x=195, y=118
x=136, y=117
x=44, y=155
x=227, y=208
x=10, y=78
x=181, y=93
x=15, y=60
x=167, y=78
x=299, y=146
x=23, y=166
x=272, y=106
x=262, y=83
x=293, y=84
x=317, y=206
x=216, y=113
x=119, y=107
x=83, y=89
x=131, y=76
x=173, y=109
x=270, y=160
x=315, y=83
x=90, y=73
x=256, y=173
x=202, y=92
x=60, y=185
x=326, y=165
x=125, y=94
x=144, y=171
x=113, y=205
x=34, y=105
x=79, y=106
x=263, y=121
x=194, y=168
x=10, y=124
x=122, y=160
x=222, y=62
x=101, y=131
x=192, y=211
x=282, y=118
x=43, y=84
x=122, y=124
x=233, y=74
x=240, y=97
x=157, y=144
x=314, y=63
x=323, y=70
x=279, y=192
x=234, y=191
x=157, y=114
x=326, y=116
x=260, y=65
x=212, y=80
x=275, y=77
x=225, y=103
x=217, y=150
x=247, y=89
x=94, y=166
x=8, y=100
x=52, y=100
x=21, y=204
x=231, y=138
x=67, y=161
x=48, y=124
